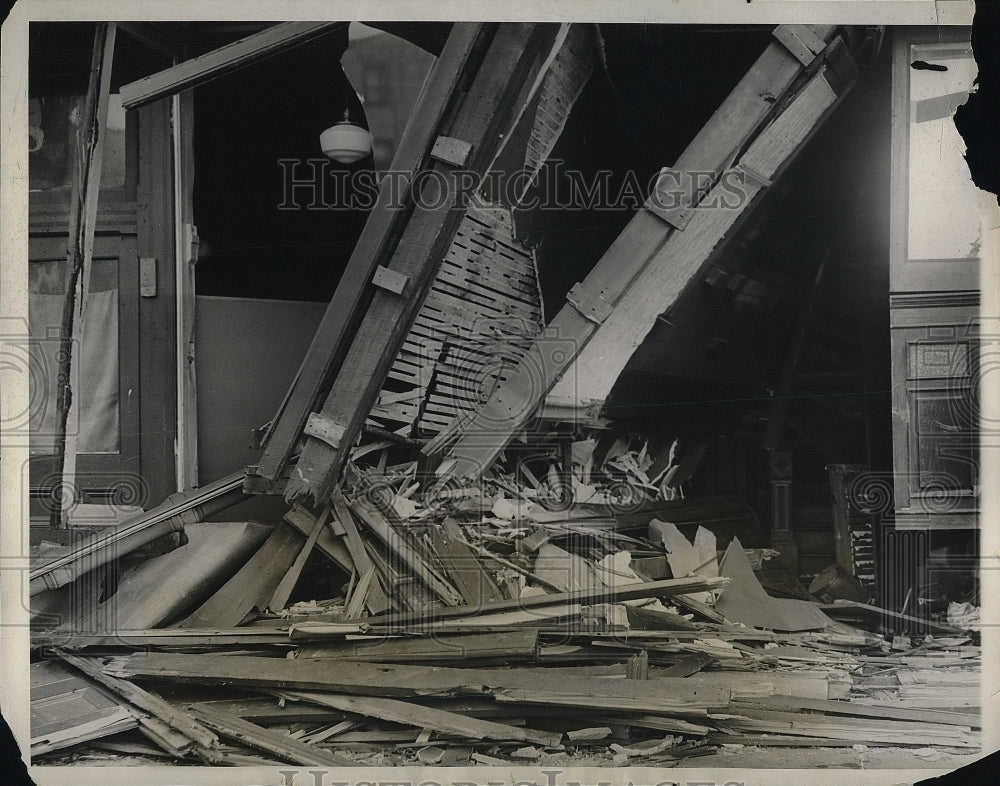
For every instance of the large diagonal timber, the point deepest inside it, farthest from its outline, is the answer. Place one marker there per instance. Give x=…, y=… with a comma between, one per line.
x=466, y=143
x=463, y=52
x=221, y=61
x=760, y=126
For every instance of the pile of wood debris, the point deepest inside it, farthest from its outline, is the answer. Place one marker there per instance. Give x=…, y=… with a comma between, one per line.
x=484, y=628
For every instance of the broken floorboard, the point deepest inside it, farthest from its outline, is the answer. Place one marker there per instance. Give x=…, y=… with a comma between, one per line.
x=253, y=585
x=426, y=718
x=394, y=681
x=587, y=597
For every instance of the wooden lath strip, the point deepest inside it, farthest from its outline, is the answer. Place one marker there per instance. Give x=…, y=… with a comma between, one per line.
x=221, y=61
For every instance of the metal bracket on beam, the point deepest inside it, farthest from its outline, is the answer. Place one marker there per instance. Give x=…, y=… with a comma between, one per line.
x=324, y=429
x=390, y=280
x=801, y=41
x=671, y=201
x=451, y=151
x=591, y=306
x=753, y=177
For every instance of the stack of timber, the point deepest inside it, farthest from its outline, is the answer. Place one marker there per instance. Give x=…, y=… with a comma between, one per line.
x=458, y=633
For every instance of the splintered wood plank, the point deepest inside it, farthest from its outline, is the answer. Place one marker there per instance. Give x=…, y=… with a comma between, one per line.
x=881, y=710
x=356, y=603
x=253, y=585
x=299, y=518
x=400, y=681
x=517, y=644
x=88, y=150
x=685, y=667
x=204, y=68
x=375, y=600
x=281, y=746
x=917, y=734
x=284, y=589
x=463, y=566
x=176, y=719
x=481, y=119
x=165, y=637
x=437, y=720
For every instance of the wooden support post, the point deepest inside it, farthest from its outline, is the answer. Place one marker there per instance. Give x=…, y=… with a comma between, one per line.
x=221, y=61
x=375, y=599
x=482, y=118
x=185, y=257
x=769, y=115
x=461, y=53
x=88, y=155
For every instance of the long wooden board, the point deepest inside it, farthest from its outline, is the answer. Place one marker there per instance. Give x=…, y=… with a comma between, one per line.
x=442, y=721
x=400, y=681
x=281, y=746
x=253, y=585
x=518, y=644
x=585, y=597
x=204, y=68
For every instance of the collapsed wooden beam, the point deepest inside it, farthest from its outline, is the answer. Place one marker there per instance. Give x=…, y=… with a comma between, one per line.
x=768, y=115
x=479, y=122
x=144, y=700
x=461, y=53
x=221, y=61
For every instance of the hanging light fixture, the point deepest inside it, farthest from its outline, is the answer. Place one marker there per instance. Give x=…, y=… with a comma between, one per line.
x=346, y=141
